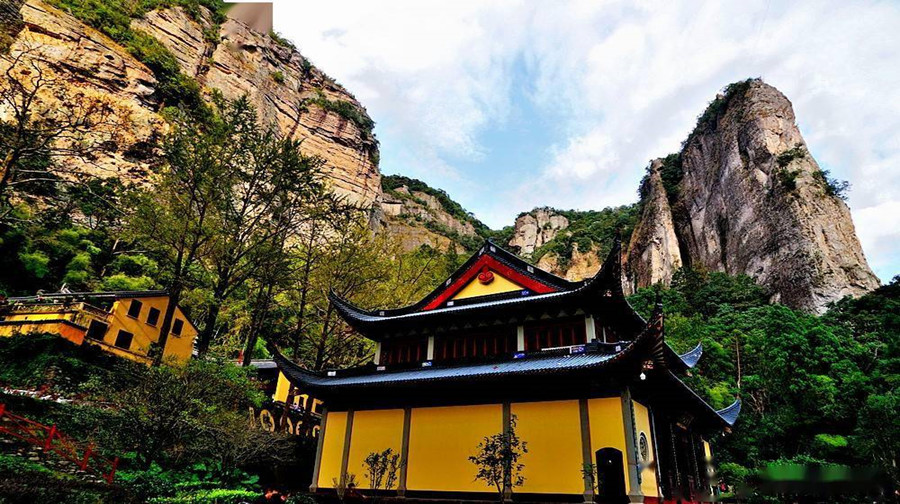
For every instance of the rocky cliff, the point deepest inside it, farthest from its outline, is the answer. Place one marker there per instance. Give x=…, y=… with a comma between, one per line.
x=535, y=228
x=225, y=56
x=420, y=215
x=745, y=196
x=569, y=243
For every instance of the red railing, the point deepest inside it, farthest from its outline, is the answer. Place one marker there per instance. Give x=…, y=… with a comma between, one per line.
x=51, y=440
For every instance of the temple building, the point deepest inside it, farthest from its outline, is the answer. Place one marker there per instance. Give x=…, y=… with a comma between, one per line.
x=588, y=380
x=123, y=323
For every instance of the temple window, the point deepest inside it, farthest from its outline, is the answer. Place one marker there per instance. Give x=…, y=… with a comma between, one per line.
x=475, y=345
x=404, y=351
x=123, y=339
x=554, y=333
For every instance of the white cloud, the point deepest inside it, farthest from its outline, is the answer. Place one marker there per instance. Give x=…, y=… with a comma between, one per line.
x=624, y=81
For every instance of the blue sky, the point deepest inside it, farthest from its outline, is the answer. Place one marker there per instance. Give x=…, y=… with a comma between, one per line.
x=512, y=104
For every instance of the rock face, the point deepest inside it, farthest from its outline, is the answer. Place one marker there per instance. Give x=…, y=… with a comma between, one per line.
x=232, y=59
x=654, y=250
x=283, y=86
x=535, y=228
x=750, y=199
x=579, y=266
x=91, y=64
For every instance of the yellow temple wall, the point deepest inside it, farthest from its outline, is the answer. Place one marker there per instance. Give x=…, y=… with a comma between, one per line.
x=475, y=288
x=441, y=439
x=373, y=431
x=608, y=428
x=332, y=448
x=649, y=485
x=553, y=432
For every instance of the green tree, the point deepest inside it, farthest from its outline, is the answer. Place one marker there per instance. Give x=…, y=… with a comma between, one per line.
x=498, y=460
x=177, y=217
x=270, y=192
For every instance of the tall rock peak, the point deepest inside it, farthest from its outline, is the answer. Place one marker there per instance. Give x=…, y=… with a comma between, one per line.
x=747, y=197
x=654, y=254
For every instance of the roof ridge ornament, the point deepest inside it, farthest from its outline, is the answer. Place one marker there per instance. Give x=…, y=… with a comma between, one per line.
x=486, y=276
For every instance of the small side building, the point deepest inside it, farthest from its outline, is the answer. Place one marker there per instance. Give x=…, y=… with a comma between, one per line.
x=125, y=323
x=588, y=380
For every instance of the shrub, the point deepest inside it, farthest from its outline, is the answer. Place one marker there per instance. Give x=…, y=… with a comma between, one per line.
x=832, y=186
x=787, y=178
x=278, y=77
x=216, y=496
x=280, y=40
x=788, y=156
x=348, y=111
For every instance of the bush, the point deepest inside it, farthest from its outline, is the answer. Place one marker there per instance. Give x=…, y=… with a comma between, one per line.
x=831, y=186
x=22, y=481
x=280, y=40
x=787, y=178
x=34, y=360
x=216, y=496
x=788, y=156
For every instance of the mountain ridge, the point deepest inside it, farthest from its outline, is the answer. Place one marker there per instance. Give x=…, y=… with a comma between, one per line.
x=746, y=145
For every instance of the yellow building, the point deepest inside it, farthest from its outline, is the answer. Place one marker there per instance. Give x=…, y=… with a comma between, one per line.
x=124, y=323
x=589, y=382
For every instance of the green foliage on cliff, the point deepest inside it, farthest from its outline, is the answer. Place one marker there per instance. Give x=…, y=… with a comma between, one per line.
x=831, y=186
x=708, y=121
x=590, y=229
x=671, y=172
x=348, y=111
x=814, y=388
x=390, y=185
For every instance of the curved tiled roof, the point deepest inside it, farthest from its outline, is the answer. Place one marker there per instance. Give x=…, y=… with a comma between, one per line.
x=488, y=248
x=605, y=285
x=649, y=344
x=528, y=365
